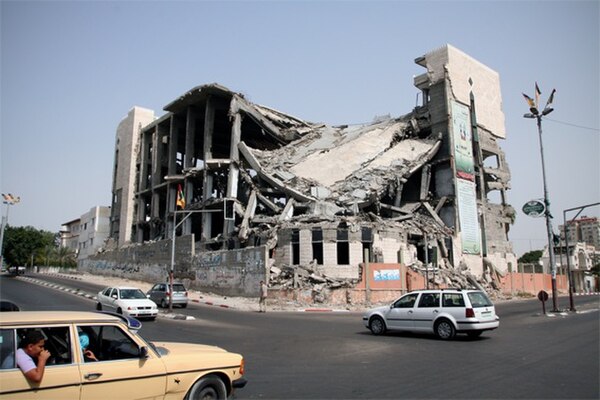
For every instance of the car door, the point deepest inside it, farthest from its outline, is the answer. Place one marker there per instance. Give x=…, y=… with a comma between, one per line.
x=426, y=311
x=111, y=300
x=120, y=372
x=61, y=376
x=155, y=293
x=400, y=315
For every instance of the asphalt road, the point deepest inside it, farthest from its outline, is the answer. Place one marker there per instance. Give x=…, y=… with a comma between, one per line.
x=332, y=356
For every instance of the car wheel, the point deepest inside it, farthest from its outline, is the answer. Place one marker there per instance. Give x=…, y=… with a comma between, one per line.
x=208, y=388
x=444, y=329
x=119, y=311
x=377, y=326
x=474, y=334
x=99, y=307
x=184, y=305
x=164, y=304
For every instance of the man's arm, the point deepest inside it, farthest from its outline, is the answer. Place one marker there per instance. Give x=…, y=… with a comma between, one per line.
x=37, y=373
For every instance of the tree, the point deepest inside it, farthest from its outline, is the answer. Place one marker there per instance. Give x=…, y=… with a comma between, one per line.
x=20, y=243
x=65, y=257
x=531, y=257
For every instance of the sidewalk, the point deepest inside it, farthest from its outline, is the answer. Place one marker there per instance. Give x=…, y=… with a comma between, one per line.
x=209, y=299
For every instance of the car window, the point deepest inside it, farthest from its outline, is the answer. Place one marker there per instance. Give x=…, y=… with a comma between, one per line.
x=109, y=342
x=407, y=301
x=453, y=300
x=58, y=343
x=429, y=300
x=479, y=299
x=129, y=294
x=7, y=349
x=107, y=291
x=113, y=292
x=178, y=288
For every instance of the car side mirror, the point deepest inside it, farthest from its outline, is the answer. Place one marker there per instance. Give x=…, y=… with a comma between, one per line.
x=144, y=352
x=148, y=295
x=114, y=296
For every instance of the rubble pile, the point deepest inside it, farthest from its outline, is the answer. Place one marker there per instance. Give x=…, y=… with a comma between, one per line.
x=305, y=277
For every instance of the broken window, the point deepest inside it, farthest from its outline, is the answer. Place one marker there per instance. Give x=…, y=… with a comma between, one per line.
x=343, y=246
x=367, y=243
x=317, y=245
x=295, y=246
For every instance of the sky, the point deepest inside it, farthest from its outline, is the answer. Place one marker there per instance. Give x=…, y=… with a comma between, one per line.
x=71, y=71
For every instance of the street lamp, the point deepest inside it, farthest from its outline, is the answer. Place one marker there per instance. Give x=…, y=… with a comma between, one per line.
x=9, y=200
x=535, y=114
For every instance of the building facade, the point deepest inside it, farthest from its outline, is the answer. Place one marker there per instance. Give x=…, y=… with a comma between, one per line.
x=426, y=189
x=87, y=234
x=124, y=173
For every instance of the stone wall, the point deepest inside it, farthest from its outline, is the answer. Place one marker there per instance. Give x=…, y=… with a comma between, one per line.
x=233, y=272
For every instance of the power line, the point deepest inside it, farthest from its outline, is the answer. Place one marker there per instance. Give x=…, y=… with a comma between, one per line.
x=576, y=126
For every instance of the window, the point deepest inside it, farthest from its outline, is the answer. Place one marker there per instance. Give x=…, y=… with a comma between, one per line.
x=407, y=301
x=295, y=247
x=453, y=300
x=343, y=246
x=7, y=349
x=479, y=299
x=109, y=342
x=317, y=245
x=367, y=243
x=429, y=300
x=58, y=343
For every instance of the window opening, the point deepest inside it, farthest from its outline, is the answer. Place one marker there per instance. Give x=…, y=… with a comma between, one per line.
x=295, y=246
x=317, y=245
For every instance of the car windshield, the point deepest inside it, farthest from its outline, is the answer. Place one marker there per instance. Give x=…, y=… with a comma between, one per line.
x=132, y=294
x=479, y=299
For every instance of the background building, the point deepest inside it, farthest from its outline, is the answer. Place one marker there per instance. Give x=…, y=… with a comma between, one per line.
x=87, y=234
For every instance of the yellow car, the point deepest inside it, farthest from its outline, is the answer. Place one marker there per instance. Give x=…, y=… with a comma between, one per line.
x=127, y=366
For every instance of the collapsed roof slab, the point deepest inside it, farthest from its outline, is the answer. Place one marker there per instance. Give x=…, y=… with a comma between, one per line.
x=366, y=157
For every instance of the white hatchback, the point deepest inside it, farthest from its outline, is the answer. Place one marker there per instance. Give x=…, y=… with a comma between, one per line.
x=444, y=312
x=128, y=301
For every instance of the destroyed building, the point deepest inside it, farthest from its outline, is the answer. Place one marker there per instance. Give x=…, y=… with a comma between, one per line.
x=426, y=187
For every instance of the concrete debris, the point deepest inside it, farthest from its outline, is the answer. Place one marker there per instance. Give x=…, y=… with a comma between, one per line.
x=306, y=277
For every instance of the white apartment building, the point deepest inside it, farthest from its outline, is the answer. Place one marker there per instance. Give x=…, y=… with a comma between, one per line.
x=88, y=233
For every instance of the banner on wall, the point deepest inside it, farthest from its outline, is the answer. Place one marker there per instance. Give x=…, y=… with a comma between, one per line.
x=468, y=218
x=386, y=275
x=463, y=141
x=467, y=214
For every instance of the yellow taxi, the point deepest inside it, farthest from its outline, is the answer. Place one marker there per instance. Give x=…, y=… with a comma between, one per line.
x=127, y=366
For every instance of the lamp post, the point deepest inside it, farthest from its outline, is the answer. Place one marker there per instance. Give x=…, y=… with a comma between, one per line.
x=535, y=114
x=9, y=200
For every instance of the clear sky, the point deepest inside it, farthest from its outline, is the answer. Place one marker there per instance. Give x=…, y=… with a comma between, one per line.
x=70, y=71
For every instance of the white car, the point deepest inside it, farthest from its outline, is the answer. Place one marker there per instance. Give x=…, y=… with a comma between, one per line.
x=128, y=301
x=443, y=312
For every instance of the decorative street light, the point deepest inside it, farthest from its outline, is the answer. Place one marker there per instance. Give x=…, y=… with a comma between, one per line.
x=9, y=200
x=535, y=114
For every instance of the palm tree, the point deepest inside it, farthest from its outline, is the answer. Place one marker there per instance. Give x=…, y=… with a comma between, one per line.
x=65, y=255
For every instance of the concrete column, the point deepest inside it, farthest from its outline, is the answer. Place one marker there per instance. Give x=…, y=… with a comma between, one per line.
x=145, y=141
x=207, y=189
x=234, y=173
